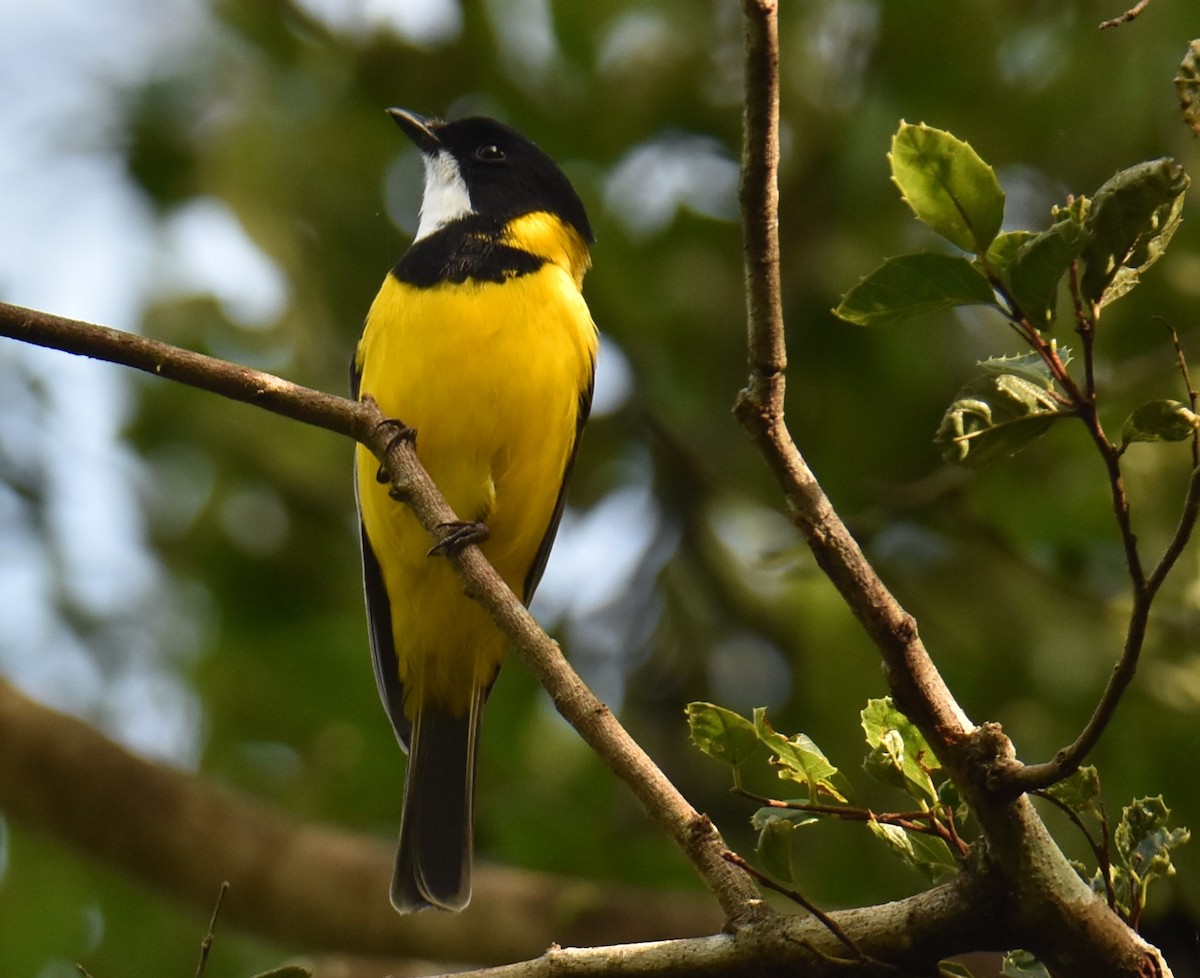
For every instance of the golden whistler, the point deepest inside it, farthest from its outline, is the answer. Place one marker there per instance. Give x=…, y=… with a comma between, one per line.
x=480, y=341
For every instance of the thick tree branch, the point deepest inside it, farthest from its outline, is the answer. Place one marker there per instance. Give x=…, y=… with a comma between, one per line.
x=912, y=935
x=691, y=831
x=292, y=882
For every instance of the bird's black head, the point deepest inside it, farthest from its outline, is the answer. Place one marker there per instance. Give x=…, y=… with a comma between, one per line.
x=480, y=166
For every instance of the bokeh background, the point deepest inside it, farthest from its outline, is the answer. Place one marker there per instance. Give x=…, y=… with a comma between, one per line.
x=183, y=572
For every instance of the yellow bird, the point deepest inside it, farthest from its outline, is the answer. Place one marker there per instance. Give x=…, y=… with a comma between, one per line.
x=480, y=340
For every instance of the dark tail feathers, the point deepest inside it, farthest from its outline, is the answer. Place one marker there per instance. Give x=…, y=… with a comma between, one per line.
x=433, y=863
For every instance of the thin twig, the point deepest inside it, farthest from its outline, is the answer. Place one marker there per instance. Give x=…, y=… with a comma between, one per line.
x=1086, y=318
x=1068, y=760
x=211, y=933
x=1126, y=17
x=1192, y=393
x=796, y=896
x=1085, y=327
x=1100, y=853
x=910, y=821
x=1179, y=539
x=954, y=839
x=918, y=822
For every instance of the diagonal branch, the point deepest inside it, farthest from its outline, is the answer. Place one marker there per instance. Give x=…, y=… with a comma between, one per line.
x=691, y=831
x=916, y=684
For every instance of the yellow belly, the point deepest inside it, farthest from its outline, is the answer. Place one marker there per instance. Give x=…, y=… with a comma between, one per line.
x=490, y=376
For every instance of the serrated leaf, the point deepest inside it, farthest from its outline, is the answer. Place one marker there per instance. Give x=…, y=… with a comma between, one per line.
x=927, y=855
x=1161, y=420
x=1187, y=87
x=798, y=760
x=1029, y=366
x=1022, y=964
x=721, y=733
x=1080, y=792
x=1037, y=269
x=995, y=416
x=1144, y=840
x=1130, y=223
x=949, y=188
x=914, y=285
x=899, y=755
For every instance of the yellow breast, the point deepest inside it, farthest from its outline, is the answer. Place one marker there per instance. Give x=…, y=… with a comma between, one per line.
x=490, y=375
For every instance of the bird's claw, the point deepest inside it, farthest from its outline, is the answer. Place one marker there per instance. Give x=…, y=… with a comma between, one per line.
x=457, y=534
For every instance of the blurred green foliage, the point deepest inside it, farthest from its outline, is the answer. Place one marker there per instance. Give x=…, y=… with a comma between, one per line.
x=1014, y=573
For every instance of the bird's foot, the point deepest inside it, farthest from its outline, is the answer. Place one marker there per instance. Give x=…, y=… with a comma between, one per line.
x=457, y=534
x=399, y=432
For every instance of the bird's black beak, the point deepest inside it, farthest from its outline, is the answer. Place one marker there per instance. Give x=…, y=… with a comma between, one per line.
x=419, y=129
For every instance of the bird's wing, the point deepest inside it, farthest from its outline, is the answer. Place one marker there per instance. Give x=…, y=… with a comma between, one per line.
x=543, y=552
x=379, y=617
x=383, y=647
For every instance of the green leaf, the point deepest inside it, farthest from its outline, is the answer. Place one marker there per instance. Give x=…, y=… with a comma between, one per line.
x=1002, y=251
x=914, y=285
x=1162, y=420
x=777, y=842
x=1029, y=366
x=1038, y=266
x=798, y=759
x=1131, y=221
x=949, y=188
x=721, y=733
x=1080, y=792
x=927, y=855
x=1022, y=964
x=899, y=754
x=1144, y=840
x=995, y=416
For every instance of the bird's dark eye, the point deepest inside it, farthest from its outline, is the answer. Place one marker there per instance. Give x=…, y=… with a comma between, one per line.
x=490, y=153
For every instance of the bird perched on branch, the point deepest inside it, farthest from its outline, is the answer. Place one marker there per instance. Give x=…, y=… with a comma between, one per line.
x=480, y=342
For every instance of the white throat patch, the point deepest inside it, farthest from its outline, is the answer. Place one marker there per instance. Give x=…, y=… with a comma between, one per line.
x=446, y=197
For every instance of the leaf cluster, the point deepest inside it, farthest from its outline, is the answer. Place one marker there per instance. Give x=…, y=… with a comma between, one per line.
x=1131, y=856
x=1096, y=248
x=924, y=836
